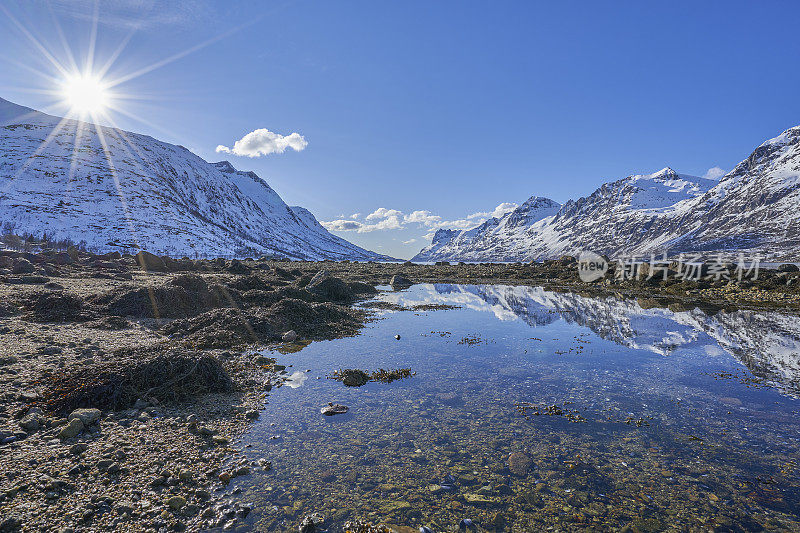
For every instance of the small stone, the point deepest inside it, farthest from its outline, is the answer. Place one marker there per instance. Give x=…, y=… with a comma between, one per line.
x=219, y=439
x=72, y=429
x=252, y=415
x=242, y=471
x=519, y=463
x=334, y=409
x=225, y=477
x=77, y=449
x=176, y=502
x=185, y=475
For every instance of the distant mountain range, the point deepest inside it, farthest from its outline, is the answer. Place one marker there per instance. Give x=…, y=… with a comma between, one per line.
x=753, y=208
x=116, y=190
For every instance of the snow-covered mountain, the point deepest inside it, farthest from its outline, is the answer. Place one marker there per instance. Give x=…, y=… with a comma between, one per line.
x=118, y=190
x=491, y=238
x=753, y=208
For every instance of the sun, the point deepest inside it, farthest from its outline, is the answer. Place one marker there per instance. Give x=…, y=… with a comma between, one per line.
x=85, y=94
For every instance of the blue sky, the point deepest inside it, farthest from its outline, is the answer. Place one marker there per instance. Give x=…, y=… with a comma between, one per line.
x=446, y=109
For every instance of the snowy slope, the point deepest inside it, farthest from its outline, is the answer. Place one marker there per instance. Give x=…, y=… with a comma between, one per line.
x=753, y=208
x=138, y=192
x=490, y=239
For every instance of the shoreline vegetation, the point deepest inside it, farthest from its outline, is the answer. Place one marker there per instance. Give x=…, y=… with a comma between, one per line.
x=124, y=380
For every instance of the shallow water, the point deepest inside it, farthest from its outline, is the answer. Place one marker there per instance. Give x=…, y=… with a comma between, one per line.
x=647, y=418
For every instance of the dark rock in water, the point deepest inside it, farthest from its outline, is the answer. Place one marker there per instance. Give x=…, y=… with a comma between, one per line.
x=334, y=409
x=329, y=287
x=788, y=267
x=311, y=523
x=353, y=377
x=519, y=463
x=449, y=398
x=397, y=337
x=399, y=281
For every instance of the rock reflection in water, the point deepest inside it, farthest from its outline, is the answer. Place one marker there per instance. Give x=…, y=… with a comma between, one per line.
x=565, y=412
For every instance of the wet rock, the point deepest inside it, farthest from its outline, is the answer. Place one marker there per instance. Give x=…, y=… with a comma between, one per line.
x=519, y=463
x=334, y=409
x=289, y=336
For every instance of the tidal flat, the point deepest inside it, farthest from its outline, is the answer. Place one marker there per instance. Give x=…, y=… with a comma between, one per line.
x=160, y=394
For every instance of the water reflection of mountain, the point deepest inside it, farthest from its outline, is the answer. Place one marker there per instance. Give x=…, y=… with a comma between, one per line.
x=768, y=343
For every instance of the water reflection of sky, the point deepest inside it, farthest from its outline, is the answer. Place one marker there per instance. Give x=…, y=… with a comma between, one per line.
x=767, y=342
x=610, y=360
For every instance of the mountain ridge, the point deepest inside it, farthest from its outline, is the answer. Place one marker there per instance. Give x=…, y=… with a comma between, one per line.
x=750, y=209
x=118, y=190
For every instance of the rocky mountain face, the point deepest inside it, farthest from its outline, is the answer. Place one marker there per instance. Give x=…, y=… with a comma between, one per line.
x=751, y=209
x=116, y=190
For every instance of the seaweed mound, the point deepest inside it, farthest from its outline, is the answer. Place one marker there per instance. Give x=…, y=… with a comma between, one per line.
x=329, y=287
x=222, y=328
x=129, y=374
x=183, y=296
x=55, y=307
x=313, y=320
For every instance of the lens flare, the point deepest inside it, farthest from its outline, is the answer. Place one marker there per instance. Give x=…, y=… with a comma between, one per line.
x=85, y=94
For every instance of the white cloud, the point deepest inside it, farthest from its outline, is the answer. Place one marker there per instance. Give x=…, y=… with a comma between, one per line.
x=384, y=219
x=714, y=173
x=262, y=142
x=423, y=217
x=410, y=241
x=499, y=211
x=342, y=225
x=382, y=212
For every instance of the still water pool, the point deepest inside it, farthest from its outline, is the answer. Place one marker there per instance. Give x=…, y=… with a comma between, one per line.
x=535, y=410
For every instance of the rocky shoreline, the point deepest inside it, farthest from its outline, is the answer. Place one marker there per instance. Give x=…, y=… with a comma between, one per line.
x=125, y=380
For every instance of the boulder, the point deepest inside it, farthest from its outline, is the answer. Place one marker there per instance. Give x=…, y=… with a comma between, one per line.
x=86, y=416
x=788, y=267
x=72, y=429
x=149, y=261
x=22, y=266
x=399, y=281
